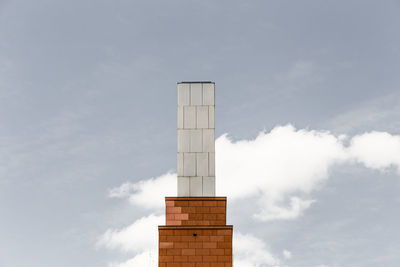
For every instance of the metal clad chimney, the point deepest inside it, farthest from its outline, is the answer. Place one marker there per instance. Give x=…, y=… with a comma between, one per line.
x=196, y=143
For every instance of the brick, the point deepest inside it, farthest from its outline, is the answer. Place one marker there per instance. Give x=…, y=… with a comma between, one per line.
x=195, y=216
x=181, y=232
x=203, y=239
x=175, y=238
x=195, y=245
x=221, y=216
x=227, y=251
x=224, y=245
x=189, y=210
x=181, y=245
x=217, y=264
x=187, y=264
x=162, y=252
x=181, y=203
x=224, y=258
x=173, y=222
x=217, y=252
x=210, y=258
x=228, y=238
x=180, y=258
x=221, y=203
x=195, y=203
x=224, y=232
x=195, y=258
x=173, y=210
x=174, y=252
x=170, y=203
x=188, y=238
x=181, y=216
x=171, y=264
x=204, y=209
x=209, y=244
x=210, y=232
x=202, y=252
x=220, y=210
x=210, y=203
x=217, y=238
x=210, y=216
x=188, y=252
x=166, y=245
x=166, y=258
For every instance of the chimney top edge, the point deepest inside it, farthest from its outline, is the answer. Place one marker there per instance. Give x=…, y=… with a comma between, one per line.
x=196, y=82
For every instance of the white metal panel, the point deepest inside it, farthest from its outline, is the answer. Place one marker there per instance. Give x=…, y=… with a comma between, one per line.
x=202, y=117
x=180, y=164
x=202, y=164
x=183, y=186
x=189, y=164
x=208, y=140
x=196, y=141
x=183, y=140
x=211, y=164
x=211, y=117
x=209, y=186
x=180, y=117
x=196, y=94
x=196, y=186
x=183, y=94
x=189, y=117
x=208, y=94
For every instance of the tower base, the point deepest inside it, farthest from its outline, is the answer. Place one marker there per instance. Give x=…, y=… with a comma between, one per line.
x=196, y=234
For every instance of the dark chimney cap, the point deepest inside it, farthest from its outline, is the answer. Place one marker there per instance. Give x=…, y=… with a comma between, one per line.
x=196, y=82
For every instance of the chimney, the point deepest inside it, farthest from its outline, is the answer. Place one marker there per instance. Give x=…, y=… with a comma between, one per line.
x=195, y=233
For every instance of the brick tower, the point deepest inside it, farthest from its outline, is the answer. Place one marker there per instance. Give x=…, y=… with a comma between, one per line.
x=195, y=234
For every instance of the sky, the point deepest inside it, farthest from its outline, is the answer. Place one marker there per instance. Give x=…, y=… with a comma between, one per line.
x=307, y=128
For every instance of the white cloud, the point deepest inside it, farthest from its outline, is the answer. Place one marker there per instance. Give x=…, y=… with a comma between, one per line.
x=287, y=254
x=250, y=251
x=149, y=193
x=139, y=237
x=376, y=150
x=280, y=169
x=145, y=259
x=275, y=167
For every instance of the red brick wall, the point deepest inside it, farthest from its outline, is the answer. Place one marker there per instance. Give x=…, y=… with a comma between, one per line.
x=195, y=247
x=195, y=210
x=195, y=234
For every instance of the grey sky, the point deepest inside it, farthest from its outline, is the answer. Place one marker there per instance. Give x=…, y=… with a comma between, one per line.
x=88, y=101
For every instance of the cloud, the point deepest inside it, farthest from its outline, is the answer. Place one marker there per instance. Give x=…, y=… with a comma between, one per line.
x=287, y=254
x=250, y=251
x=276, y=166
x=138, y=237
x=149, y=193
x=145, y=259
x=376, y=150
x=279, y=169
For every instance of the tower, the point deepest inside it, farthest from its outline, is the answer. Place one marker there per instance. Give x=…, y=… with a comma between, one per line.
x=196, y=234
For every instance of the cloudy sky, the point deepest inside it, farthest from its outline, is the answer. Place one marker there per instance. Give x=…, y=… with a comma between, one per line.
x=307, y=127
